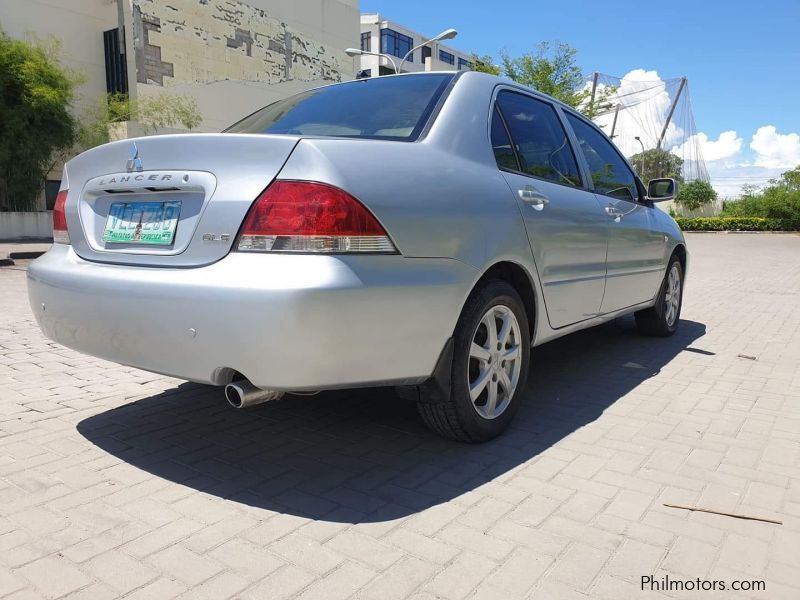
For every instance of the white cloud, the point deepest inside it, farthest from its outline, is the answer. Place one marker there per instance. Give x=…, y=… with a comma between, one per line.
x=775, y=150
x=728, y=176
x=725, y=146
x=730, y=168
x=646, y=98
x=645, y=102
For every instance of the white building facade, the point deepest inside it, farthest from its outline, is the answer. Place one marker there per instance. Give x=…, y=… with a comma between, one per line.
x=230, y=56
x=388, y=37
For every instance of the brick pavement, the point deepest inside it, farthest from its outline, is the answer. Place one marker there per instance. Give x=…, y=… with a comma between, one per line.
x=119, y=483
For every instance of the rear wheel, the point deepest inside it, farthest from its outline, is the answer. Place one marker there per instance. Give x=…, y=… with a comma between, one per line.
x=491, y=352
x=662, y=319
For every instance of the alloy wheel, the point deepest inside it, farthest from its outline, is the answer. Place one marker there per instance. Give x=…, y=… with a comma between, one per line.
x=495, y=361
x=672, y=296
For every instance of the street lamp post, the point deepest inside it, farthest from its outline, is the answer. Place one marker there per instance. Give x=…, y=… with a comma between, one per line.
x=638, y=139
x=357, y=52
x=447, y=34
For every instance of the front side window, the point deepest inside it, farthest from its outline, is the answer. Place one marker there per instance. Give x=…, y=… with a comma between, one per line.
x=541, y=143
x=396, y=44
x=446, y=57
x=366, y=41
x=394, y=108
x=610, y=174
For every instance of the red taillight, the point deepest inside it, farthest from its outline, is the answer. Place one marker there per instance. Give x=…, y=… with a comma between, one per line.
x=60, y=233
x=304, y=216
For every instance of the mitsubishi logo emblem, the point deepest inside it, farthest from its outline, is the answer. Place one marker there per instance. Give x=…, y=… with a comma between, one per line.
x=134, y=162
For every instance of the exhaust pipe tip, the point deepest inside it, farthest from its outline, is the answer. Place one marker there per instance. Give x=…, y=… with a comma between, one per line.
x=233, y=394
x=242, y=394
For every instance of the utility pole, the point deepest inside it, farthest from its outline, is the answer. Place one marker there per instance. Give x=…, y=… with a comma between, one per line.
x=641, y=143
x=595, y=75
x=671, y=112
x=614, y=124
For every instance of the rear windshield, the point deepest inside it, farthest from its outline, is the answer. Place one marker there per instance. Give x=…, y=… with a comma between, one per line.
x=394, y=108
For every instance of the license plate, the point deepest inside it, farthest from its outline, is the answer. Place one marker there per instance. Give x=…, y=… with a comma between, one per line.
x=142, y=223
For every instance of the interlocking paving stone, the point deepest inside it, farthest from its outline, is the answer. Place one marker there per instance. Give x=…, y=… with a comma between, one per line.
x=115, y=482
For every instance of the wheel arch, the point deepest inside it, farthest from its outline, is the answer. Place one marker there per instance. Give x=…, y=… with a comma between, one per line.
x=680, y=252
x=520, y=279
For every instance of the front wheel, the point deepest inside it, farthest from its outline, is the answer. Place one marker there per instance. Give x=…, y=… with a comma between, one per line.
x=662, y=319
x=491, y=352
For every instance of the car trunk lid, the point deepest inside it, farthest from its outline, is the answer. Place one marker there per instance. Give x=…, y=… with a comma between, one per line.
x=209, y=180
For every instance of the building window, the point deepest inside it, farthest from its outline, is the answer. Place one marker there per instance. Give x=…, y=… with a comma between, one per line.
x=366, y=41
x=463, y=63
x=396, y=44
x=446, y=57
x=426, y=53
x=116, y=69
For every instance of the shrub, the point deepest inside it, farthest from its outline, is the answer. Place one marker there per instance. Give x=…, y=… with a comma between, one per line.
x=36, y=93
x=695, y=194
x=152, y=112
x=737, y=224
x=779, y=200
x=655, y=163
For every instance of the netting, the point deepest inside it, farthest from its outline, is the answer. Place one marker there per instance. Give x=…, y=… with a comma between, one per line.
x=658, y=112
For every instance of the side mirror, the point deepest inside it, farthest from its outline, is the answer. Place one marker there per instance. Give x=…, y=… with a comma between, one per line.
x=661, y=190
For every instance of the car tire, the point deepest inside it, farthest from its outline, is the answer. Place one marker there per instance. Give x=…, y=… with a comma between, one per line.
x=662, y=319
x=486, y=384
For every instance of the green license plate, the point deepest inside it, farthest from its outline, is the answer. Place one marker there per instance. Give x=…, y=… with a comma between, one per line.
x=142, y=223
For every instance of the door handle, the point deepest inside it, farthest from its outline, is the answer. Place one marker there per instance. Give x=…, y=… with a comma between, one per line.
x=530, y=195
x=614, y=212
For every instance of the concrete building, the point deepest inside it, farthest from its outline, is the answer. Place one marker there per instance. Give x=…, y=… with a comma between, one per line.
x=230, y=56
x=387, y=37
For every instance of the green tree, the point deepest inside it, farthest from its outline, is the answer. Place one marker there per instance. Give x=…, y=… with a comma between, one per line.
x=152, y=112
x=695, y=194
x=484, y=64
x=552, y=69
x=780, y=199
x=656, y=163
x=791, y=179
x=36, y=94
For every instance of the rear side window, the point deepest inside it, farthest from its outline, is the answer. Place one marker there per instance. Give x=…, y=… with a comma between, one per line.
x=501, y=144
x=394, y=108
x=610, y=174
x=539, y=138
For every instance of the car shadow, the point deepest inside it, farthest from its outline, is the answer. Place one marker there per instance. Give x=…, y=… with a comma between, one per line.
x=364, y=455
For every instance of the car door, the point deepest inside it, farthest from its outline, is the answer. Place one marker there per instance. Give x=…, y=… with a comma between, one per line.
x=636, y=250
x=566, y=225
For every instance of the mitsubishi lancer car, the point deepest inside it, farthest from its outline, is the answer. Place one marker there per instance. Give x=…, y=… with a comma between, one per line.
x=420, y=231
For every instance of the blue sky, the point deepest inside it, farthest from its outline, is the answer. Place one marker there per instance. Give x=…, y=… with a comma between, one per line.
x=742, y=59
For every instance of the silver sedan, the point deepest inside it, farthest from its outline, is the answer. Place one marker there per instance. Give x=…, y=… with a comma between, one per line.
x=421, y=231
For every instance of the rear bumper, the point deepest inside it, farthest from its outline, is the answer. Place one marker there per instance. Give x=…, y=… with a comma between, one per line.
x=286, y=322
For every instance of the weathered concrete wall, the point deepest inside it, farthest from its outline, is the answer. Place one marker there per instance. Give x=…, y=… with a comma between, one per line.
x=182, y=41
x=710, y=210
x=22, y=225
x=208, y=49
x=222, y=103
